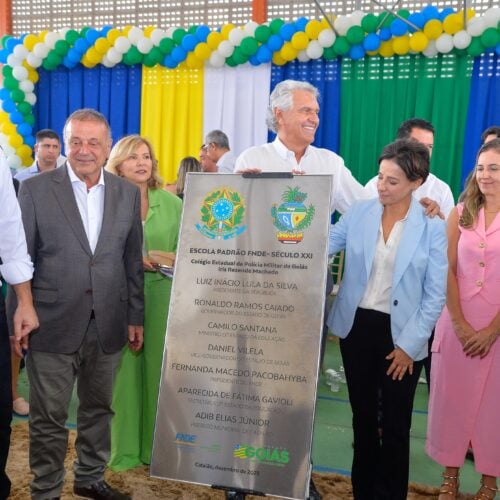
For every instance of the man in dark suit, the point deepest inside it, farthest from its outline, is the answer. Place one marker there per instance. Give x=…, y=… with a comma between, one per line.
x=84, y=234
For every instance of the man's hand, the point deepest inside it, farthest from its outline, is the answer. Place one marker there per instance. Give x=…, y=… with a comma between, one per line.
x=148, y=265
x=135, y=337
x=431, y=208
x=25, y=318
x=401, y=363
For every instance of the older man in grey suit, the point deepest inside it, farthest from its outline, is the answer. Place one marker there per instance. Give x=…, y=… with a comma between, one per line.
x=84, y=234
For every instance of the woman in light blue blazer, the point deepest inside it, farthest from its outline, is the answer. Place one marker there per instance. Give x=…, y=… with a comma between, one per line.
x=392, y=293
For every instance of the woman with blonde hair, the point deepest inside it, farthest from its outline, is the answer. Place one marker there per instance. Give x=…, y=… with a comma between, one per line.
x=187, y=164
x=465, y=387
x=137, y=381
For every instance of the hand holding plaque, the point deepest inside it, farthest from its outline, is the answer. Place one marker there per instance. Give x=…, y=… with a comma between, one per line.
x=162, y=262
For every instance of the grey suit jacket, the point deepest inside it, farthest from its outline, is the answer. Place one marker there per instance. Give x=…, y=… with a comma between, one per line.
x=69, y=281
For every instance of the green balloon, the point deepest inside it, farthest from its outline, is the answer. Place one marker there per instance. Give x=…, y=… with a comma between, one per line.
x=46, y=65
x=239, y=57
x=276, y=25
x=369, y=23
x=17, y=95
x=329, y=53
x=148, y=61
x=404, y=13
x=29, y=119
x=192, y=29
x=133, y=56
x=166, y=45
x=249, y=46
x=476, y=48
x=84, y=30
x=230, y=62
x=24, y=108
x=9, y=82
x=262, y=33
x=7, y=71
x=355, y=35
x=4, y=39
x=178, y=35
x=341, y=45
x=155, y=55
x=53, y=58
x=71, y=36
x=61, y=47
x=388, y=20
x=490, y=37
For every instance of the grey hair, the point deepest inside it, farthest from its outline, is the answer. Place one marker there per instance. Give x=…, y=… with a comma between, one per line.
x=86, y=115
x=282, y=98
x=217, y=137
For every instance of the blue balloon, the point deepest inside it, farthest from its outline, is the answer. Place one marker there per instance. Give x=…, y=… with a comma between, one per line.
x=91, y=36
x=202, y=33
x=68, y=62
x=417, y=19
x=16, y=117
x=105, y=30
x=9, y=106
x=430, y=12
x=254, y=60
x=371, y=42
x=301, y=23
x=81, y=45
x=497, y=49
x=189, y=42
x=11, y=43
x=356, y=52
x=399, y=27
x=445, y=13
x=24, y=129
x=4, y=94
x=264, y=54
x=275, y=43
x=4, y=53
x=287, y=31
x=178, y=54
x=73, y=55
x=169, y=62
x=29, y=141
x=385, y=34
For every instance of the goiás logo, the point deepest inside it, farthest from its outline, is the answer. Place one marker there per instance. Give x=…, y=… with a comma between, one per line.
x=266, y=455
x=185, y=439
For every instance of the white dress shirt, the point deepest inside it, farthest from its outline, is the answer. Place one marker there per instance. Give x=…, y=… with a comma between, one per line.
x=226, y=162
x=90, y=205
x=275, y=157
x=433, y=188
x=377, y=296
x=16, y=264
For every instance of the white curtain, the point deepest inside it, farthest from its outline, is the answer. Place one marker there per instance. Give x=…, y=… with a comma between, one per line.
x=235, y=101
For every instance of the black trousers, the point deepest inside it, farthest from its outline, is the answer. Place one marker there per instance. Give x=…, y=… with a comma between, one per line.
x=381, y=464
x=5, y=400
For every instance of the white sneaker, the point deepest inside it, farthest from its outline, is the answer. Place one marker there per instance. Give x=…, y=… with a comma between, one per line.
x=21, y=407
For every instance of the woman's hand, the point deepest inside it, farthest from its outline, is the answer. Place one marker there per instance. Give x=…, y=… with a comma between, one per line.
x=463, y=331
x=480, y=343
x=148, y=265
x=401, y=363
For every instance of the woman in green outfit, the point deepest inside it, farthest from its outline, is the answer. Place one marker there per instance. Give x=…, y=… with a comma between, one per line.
x=137, y=380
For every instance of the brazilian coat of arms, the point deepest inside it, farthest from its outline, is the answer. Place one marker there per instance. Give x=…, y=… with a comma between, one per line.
x=292, y=216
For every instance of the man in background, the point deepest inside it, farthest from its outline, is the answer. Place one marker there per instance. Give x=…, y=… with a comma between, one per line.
x=207, y=164
x=218, y=151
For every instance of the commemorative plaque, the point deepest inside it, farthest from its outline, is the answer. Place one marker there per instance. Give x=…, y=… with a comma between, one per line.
x=238, y=386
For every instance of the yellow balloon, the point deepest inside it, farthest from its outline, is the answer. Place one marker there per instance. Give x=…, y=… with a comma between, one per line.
x=126, y=29
x=33, y=75
x=23, y=152
x=226, y=29
x=148, y=30
x=15, y=140
x=42, y=35
x=8, y=128
x=27, y=161
x=470, y=14
x=314, y=28
x=325, y=23
x=278, y=60
x=453, y=23
x=30, y=41
x=112, y=35
x=418, y=42
x=202, y=51
x=433, y=29
x=102, y=45
x=214, y=39
x=300, y=41
x=193, y=62
x=288, y=53
x=3, y=116
x=401, y=45
x=87, y=62
x=386, y=49
x=93, y=56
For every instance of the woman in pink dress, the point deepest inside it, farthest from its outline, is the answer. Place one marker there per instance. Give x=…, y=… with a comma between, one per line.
x=464, y=405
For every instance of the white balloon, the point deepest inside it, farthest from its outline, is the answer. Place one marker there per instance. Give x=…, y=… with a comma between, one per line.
x=250, y=28
x=314, y=50
x=357, y=16
x=444, y=43
x=235, y=36
x=40, y=50
x=492, y=17
x=302, y=56
x=476, y=26
x=30, y=98
x=430, y=50
x=135, y=34
x=114, y=55
x=13, y=161
x=106, y=62
x=462, y=39
x=33, y=60
x=225, y=48
x=217, y=60
x=27, y=86
x=157, y=35
x=20, y=73
x=63, y=32
x=12, y=60
x=341, y=25
x=20, y=51
x=144, y=45
x=51, y=39
x=122, y=44
x=7, y=148
x=326, y=38
x=170, y=32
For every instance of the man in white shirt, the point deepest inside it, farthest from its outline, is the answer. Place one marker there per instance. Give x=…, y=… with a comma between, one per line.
x=217, y=146
x=433, y=188
x=47, y=152
x=17, y=270
x=207, y=164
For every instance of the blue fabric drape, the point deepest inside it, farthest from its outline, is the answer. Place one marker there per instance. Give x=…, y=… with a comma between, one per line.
x=325, y=75
x=484, y=106
x=115, y=92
